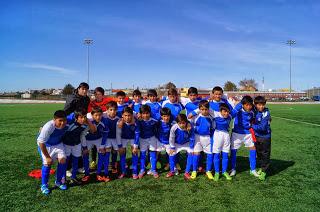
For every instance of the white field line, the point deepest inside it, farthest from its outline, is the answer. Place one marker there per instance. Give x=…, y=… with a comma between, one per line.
x=292, y=120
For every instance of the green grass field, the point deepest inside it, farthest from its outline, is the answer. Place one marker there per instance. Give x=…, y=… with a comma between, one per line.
x=293, y=185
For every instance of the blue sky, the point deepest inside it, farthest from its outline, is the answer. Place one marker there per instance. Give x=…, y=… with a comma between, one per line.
x=147, y=43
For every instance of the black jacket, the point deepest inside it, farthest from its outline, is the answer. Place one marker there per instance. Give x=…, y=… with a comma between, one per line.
x=76, y=102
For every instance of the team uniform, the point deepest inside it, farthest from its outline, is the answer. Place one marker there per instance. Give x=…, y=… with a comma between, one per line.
x=155, y=109
x=189, y=105
x=163, y=135
x=136, y=107
x=52, y=138
x=175, y=108
x=121, y=108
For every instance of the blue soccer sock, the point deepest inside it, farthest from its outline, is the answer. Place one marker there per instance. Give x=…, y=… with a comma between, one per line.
x=233, y=157
x=101, y=159
x=61, y=170
x=106, y=160
x=45, y=173
x=216, y=160
x=195, y=162
x=114, y=156
x=189, y=162
x=143, y=160
x=75, y=162
x=209, y=162
x=86, y=164
x=172, y=162
x=225, y=160
x=252, y=159
x=135, y=160
x=153, y=160
x=123, y=163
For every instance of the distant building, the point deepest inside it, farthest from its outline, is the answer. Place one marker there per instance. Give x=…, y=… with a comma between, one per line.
x=56, y=92
x=313, y=92
x=26, y=95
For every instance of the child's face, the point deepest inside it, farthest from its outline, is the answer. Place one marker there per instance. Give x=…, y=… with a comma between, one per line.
x=82, y=91
x=112, y=112
x=97, y=117
x=136, y=98
x=247, y=107
x=165, y=118
x=145, y=116
x=81, y=119
x=127, y=117
x=216, y=95
x=182, y=125
x=120, y=99
x=260, y=107
x=60, y=122
x=98, y=95
x=193, y=97
x=225, y=113
x=173, y=98
x=204, y=111
x=152, y=98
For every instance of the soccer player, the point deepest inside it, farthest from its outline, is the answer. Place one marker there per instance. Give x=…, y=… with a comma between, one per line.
x=51, y=148
x=262, y=132
x=173, y=104
x=136, y=104
x=203, y=128
x=241, y=134
x=191, y=103
x=153, y=104
x=146, y=140
x=181, y=139
x=120, y=97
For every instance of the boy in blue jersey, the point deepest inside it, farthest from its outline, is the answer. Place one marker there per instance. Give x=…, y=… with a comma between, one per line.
x=110, y=120
x=136, y=104
x=262, y=132
x=126, y=129
x=51, y=149
x=146, y=139
x=74, y=139
x=153, y=104
x=97, y=139
x=120, y=98
x=181, y=139
x=203, y=128
x=173, y=104
x=241, y=134
x=191, y=103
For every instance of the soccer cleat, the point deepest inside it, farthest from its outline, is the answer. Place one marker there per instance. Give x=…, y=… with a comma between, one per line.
x=81, y=171
x=121, y=176
x=155, y=175
x=74, y=182
x=93, y=165
x=142, y=173
x=61, y=186
x=227, y=176
x=259, y=171
x=167, y=167
x=262, y=176
x=68, y=173
x=158, y=165
x=100, y=178
x=107, y=179
x=178, y=167
x=85, y=178
x=254, y=173
x=209, y=175
x=170, y=174
x=233, y=172
x=44, y=189
x=216, y=177
x=187, y=176
x=135, y=176
x=149, y=172
x=193, y=175
x=176, y=172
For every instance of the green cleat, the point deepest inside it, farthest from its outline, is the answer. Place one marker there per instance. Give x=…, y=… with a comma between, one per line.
x=193, y=175
x=259, y=171
x=262, y=176
x=209, y=175
x=227, y=176
x=216, y=177
x=254, y=173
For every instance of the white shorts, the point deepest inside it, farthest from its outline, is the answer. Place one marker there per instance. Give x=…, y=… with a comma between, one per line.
x=203, y=143
x=183, y=147
x=221, y=142
x=237, y=140
x=55, y=152
x=75, y=151
x=125, y=142
x=153, y=144
x=112, y=142
x=97, y=143
x=164, y=147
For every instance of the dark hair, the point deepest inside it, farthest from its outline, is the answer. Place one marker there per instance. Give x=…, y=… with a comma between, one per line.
x=112, y=104
x=145, y=109
x=83, y=84
x=99, y=89
x=204, y=103
x=120, y=93
x=217, y=88
x=165, y=111
x=127, y=110
x=80, y=112
x=246, y=100
x=260, y=100
x=173, y=91
x=224, y=106
x=192, y=90
x=182, y=118
x=60, y=114
x=96, y=110
x=136, y=93
x=152, y=92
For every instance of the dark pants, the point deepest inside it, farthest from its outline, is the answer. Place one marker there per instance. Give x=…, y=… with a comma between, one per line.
x=263, y=147
x=94, y=154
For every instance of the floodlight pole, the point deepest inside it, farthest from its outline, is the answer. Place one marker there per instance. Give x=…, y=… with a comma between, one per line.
x=290, y=43
x=88, y=42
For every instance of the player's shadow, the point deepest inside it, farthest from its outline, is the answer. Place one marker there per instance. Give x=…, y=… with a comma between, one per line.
x=276, y=166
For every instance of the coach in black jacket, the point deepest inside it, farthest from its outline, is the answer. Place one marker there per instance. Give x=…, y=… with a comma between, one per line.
x=78, y=100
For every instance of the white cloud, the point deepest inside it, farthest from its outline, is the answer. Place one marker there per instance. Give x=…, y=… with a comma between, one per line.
x=56, y=69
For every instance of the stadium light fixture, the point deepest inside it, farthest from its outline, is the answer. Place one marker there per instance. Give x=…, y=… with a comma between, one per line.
x=88, y=42
x=290, y=43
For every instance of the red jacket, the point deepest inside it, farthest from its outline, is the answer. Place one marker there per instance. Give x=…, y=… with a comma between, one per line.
x=102, y=104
